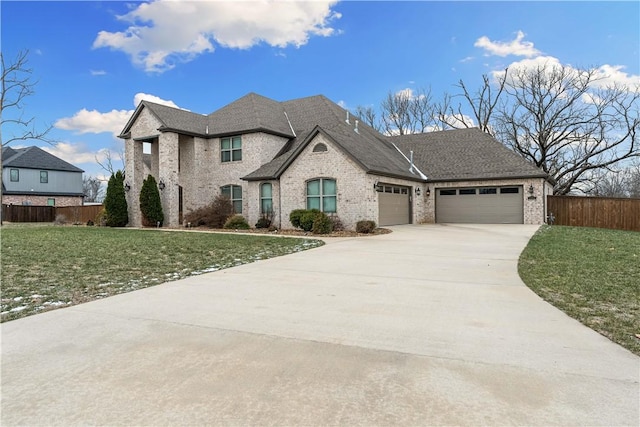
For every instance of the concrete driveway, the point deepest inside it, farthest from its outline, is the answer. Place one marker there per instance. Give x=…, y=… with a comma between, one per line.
x=428, y=325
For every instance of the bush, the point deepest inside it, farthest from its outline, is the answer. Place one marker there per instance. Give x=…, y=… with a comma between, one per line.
x=60, y=220
x=337, y=223
x=236, y=222
x=213, y=215
x=150, y=205
x=322, y=224
x=294, y=217
x=101, y=218
x=115, y=202
x=307, y=218
x=265, y=220
x=365, y=227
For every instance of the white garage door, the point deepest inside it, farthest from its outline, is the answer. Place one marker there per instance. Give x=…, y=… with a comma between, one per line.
x=480, y=205
x=393, y=205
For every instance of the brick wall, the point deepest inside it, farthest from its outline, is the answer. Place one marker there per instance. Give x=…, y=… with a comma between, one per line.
x=60, y=201
x=356, y=199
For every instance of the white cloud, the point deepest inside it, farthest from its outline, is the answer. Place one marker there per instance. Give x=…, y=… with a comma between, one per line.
x=98, y=72
x=605, y=75
x=612, y=74
x=93, y=121
x=152, y=98
x=516, y=47
x=163, y=32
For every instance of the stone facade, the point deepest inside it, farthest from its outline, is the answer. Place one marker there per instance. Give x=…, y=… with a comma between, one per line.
x=192, y=167
x=59, y=201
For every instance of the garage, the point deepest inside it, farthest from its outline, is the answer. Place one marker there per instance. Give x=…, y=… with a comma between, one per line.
x=394, y=205
x=480, y=205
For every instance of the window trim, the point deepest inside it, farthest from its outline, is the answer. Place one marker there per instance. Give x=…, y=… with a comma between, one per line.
x=231, y=151
x=234, y=201
x=321, y=196
x=17, y=175
x=44, y=177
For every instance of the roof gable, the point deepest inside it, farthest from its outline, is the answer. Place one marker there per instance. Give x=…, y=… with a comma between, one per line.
x=35, y=158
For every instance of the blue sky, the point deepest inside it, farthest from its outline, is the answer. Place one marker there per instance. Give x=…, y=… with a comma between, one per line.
x=95, y=60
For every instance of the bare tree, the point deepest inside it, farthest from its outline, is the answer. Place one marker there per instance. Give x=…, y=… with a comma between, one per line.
x=565, y=122
x=92, y=189
x=16, y=85
x=483, y=103
x=405, y=112
x=622, y=183
x=368, y=116
x=107, y=163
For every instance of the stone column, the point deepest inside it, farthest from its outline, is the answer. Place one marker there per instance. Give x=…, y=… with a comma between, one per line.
x=168, y=173
x=134, y=175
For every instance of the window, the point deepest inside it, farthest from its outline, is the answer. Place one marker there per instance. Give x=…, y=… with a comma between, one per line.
x=44, y=177
x=231, y=149
x=467, y=191
x=319, y=148
x=321, y=195
x=447, y=192
x=234, y=193
x=266, y=198
x=509, y=190
x=15, y=175
x=51, y=202
x=488, y=191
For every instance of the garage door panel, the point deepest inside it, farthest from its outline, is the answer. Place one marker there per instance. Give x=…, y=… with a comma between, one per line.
x=393, y=206
x=501, y=207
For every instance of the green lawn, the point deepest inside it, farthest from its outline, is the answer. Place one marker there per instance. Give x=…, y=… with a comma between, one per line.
x=591, y=274
x=45, y=267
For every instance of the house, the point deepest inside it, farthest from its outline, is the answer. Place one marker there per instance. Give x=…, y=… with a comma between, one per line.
x=271, y=156
x=31, y=176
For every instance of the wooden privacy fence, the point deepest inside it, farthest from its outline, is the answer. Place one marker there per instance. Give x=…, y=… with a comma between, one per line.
x=72, y=214
x=601, y=212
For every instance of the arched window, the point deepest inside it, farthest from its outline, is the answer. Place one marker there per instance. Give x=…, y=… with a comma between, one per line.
x=321, y=194
x=266, y=198
x=319, y=148
x=234, y=193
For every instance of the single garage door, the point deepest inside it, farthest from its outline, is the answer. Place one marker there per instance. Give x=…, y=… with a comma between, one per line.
x=480, y=205
x=393, y=205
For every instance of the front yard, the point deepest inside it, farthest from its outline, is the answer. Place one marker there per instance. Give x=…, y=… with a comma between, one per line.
x=591, y=274
x=46, y=267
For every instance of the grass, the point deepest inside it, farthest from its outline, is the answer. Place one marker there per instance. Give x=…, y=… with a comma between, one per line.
x=46, y=267
x=591, y=274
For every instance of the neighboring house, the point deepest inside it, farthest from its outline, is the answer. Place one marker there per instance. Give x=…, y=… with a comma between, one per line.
x=31, y=176
x=274, y=157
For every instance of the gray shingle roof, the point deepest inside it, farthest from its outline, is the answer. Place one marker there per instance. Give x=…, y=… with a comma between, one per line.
x=34, y=158
x=464, y=154
x=366, y=147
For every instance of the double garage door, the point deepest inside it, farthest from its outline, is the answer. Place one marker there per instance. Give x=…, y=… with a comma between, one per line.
x=480, y=205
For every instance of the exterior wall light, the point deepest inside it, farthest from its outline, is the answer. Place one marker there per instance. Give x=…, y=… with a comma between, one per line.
x=127, y=187
x=428, y=193
x=418, y=192
x=530, y=189
x=161, y=185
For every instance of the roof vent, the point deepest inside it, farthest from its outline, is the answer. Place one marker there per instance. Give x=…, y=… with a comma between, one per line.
x=356, y=128
x=207, y=130
x=347, y=118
